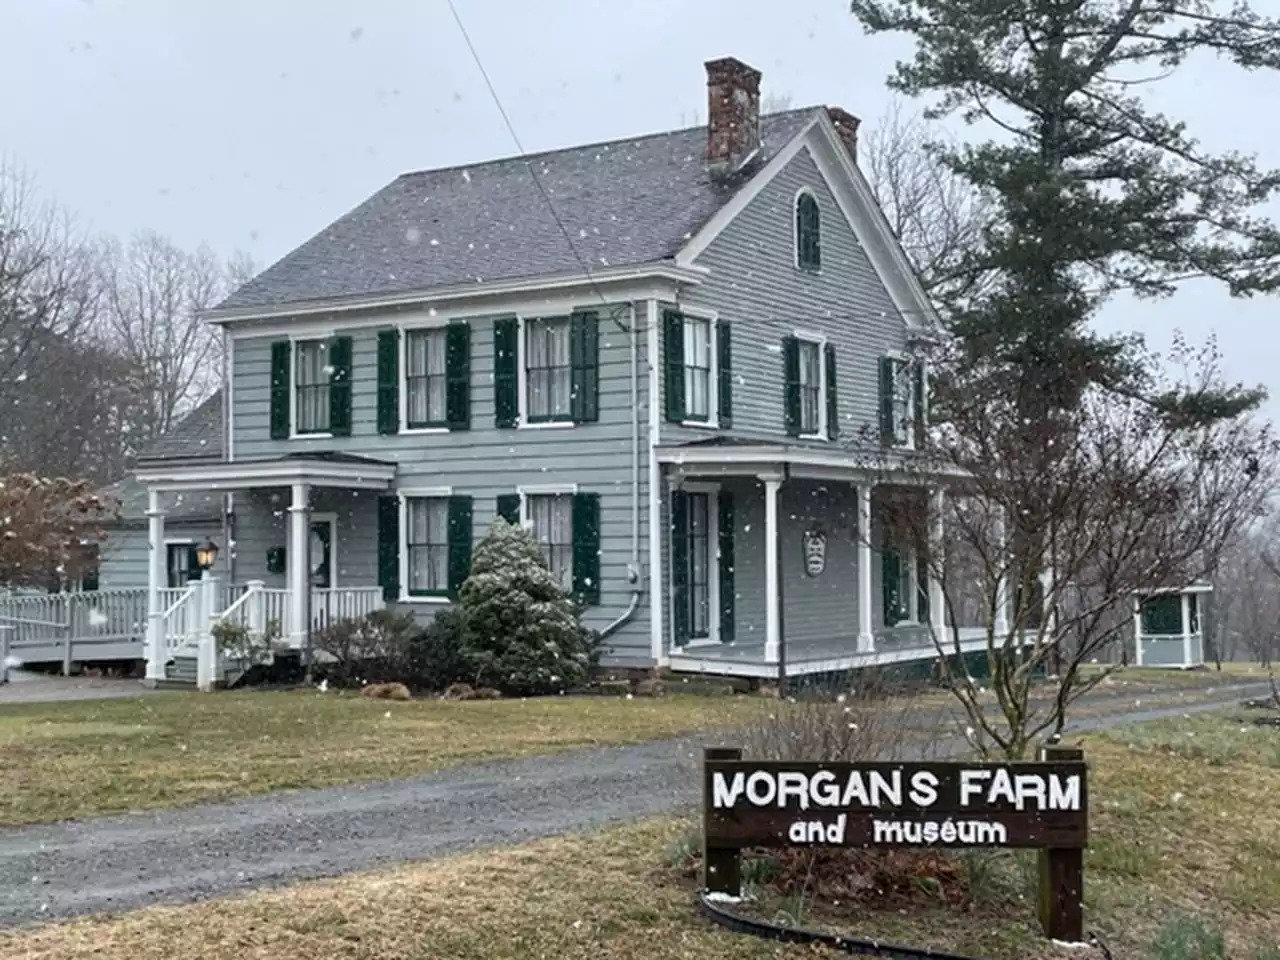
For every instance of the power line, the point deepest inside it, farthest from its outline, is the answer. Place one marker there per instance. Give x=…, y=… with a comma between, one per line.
x=586, y=269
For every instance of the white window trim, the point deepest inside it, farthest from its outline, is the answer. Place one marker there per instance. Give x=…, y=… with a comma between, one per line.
x=402, y=376
x=294, y=340
x=795, y=231
x=712, y=319
x=712, y=490
x=522, y=384
x=820, y=340
x=330, y=518
x=910, y=442
x=415, y=493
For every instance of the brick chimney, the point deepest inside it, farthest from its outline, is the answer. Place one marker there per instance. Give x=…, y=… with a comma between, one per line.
x=733, y=113
x=846, y=125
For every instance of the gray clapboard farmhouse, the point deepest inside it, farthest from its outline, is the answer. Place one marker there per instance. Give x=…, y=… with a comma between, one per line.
x=670, y=355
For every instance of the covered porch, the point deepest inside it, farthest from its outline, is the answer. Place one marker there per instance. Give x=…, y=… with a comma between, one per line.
x=300, y=552
x=779, y=561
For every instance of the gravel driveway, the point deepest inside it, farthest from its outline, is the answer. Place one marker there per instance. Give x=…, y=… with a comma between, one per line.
x=117, y=863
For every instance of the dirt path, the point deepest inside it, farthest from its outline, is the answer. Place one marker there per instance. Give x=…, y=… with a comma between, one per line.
x=118, y=863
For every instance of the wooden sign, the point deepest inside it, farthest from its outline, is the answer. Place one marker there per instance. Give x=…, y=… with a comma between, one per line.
x=925, y=805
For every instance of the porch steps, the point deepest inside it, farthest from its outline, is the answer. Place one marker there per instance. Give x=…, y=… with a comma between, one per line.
x=180, y=673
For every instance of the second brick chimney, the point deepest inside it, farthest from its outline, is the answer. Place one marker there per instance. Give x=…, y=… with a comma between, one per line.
x=846, y=125
x=733, y=114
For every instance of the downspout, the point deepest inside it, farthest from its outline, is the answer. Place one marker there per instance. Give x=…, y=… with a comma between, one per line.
x=633, y=568
x=228, y=426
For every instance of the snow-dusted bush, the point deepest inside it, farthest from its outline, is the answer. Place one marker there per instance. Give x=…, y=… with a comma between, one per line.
x=521, y=632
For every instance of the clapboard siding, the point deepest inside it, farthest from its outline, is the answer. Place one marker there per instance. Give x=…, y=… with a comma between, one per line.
x=125, y=553
x=482, y=462
x=755, y=286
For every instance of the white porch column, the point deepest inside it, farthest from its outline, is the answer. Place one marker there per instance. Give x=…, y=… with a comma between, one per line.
x=1137, y=631
x=299, y=579
x=1186, y=631
x=772, y=631
x=207, y=648
x=866, y=638
x=937, y=598
x=999, y=562
x=156, y=573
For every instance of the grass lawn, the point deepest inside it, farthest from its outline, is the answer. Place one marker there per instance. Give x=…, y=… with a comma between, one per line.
x=1184, y=819
x=66, y=760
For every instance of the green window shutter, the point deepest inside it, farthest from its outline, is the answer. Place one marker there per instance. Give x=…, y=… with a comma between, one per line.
x=833, y=405
x=506, y=403
x=918, y=390
x=890, y=572
x=584, y=361
x=886, y=401
x=586, y=547
x=340, y=386
x=459, y=543
x=673, y=365
x=509, y=508
x=193, y=565
x=725, y=530
x=389, y=547
x=724, y=369
x=922, y=589
x=281, y=387
x=457, y=354
x=791, y=384
x=679, y=567
x=388, y=382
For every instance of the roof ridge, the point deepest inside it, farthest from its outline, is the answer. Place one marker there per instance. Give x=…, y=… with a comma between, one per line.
x=528, y=157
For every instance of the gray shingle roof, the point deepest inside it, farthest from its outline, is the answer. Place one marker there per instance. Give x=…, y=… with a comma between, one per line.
x=625, y=202
x=130, y=497
x=197, y=435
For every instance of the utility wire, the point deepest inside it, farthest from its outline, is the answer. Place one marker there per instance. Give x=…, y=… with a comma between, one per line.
x=586, y=269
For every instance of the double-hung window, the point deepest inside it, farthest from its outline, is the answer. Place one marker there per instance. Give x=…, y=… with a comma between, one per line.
x=427, y=546
x=811, y=392
x=426, y=377
x=548, y=370
x=698, y=368
x=551, y=518
x=311, y=374
x=808, y=232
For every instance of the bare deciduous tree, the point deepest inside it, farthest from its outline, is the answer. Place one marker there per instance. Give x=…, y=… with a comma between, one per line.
x=1113, y=497
x=154, y=294
x=937, y=217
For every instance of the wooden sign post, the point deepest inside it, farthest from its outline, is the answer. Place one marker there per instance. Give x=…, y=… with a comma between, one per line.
x=1040, y=805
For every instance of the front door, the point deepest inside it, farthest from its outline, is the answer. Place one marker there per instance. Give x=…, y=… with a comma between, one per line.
x=322, y=554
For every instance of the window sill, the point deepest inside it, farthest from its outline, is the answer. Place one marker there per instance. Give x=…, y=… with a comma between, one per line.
x=317, y=435
x=701, y=424
x=702, y=642
x=544, y=424
x=421, y=431
x=424, y=598
x=814, y=436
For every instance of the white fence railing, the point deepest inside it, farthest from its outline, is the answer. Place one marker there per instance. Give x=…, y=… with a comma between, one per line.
x=69, y=626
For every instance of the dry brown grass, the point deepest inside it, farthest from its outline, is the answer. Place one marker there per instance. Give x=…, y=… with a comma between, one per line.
x=1170, y=831
x=76, y=759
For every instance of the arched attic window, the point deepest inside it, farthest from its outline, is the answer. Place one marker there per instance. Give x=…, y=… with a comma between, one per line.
x=808, y=232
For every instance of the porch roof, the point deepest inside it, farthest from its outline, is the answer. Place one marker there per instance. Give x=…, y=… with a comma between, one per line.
x=737, y=456
x=319, y=469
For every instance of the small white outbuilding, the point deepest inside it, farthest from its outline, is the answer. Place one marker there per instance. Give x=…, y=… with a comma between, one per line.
x=1168, y=626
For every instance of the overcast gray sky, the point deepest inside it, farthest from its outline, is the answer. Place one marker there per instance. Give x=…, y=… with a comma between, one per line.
x=251, y=124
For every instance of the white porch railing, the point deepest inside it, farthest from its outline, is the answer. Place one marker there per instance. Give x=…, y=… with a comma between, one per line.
x=88, y=625
x=179, y=620
x=343, y=603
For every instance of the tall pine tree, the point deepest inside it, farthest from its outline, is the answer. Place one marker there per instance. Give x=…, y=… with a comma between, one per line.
x=1094, y=191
